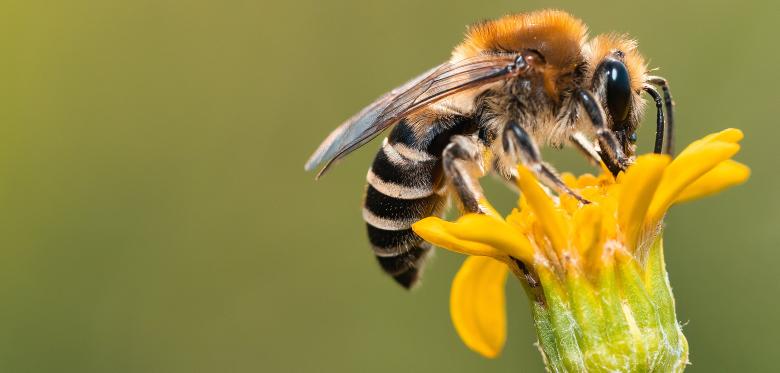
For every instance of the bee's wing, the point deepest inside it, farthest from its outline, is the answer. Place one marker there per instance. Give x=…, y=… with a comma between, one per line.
x=433, y=85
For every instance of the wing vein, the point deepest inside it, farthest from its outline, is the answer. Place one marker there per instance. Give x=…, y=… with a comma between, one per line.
x=437, y=83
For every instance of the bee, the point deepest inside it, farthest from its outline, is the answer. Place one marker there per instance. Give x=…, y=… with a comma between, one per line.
x=513, y=84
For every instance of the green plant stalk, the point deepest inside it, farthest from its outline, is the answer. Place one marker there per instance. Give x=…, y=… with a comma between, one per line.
x=619, y=318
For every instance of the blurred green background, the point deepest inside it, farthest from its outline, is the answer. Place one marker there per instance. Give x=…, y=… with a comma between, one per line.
x=155, y=215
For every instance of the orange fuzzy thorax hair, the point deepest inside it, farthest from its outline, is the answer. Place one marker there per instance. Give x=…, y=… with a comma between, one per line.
x=557, y=35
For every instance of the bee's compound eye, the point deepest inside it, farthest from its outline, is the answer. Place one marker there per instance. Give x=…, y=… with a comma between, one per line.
x=618, y=89
x=632, y=138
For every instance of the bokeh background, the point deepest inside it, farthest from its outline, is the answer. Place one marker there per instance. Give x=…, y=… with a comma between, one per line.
x=155, y=215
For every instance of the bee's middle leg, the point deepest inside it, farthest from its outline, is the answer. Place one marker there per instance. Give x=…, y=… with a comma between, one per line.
x=463, y=166
x=518, y=142
x=462, y=163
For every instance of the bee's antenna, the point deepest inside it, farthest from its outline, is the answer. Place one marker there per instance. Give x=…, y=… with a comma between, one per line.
x=659, y=120
x=668, y=103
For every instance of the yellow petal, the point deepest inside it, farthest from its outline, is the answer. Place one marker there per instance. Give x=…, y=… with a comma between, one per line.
x=725, y=175
x=495, y=233
x=588, y=223
x=586, y=180
x=478, y=304
x=609, y=219
x=684, y=170
x=442, y=233
x=730, y=135
x=519, y=220
x=569, y=179
x=551, y=219
x=639, y=184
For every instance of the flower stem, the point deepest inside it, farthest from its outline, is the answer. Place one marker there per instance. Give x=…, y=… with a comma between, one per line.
x=621, y=319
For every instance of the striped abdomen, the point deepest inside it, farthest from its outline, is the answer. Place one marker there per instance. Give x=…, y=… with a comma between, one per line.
x=402, y=188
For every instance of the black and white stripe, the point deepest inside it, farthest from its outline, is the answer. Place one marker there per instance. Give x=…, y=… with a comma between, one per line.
x=402, y=189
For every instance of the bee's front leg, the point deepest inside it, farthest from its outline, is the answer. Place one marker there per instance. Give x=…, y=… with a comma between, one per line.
x=462, y=163
x=585, y=146
x=611, y=151
x=518, y=144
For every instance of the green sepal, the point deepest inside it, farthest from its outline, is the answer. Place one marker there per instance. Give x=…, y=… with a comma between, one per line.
x=618, y=317
x=565, y=328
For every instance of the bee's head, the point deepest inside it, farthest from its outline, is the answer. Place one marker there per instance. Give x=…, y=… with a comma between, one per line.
x=618, y=73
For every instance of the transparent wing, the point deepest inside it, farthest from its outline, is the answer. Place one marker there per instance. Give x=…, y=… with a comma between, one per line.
x=433, y=85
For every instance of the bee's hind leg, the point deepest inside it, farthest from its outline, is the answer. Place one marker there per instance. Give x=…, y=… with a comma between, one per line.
x=462, y=163
x=518, y=143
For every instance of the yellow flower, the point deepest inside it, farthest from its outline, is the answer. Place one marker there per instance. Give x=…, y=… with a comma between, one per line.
x=595, y=273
